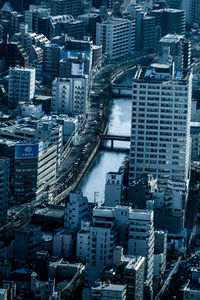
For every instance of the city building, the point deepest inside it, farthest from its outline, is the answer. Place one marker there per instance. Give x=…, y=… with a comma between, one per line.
x=160, y=258
x=76, y=211
x=113, y=189
x=141, y=190
x=63, y=243
x=102, y=241
x=126, y=269
x=4, y=188
x=47, y=131
x=69, y=95
x=51, y=62
x=90, y=20
x=141, y=242
x=105, y=291
x=191, y=290
x=161, y=112
x=79, y=64
x=21, y=86
x=195, y=136
x=82, y=243
x=169, y=20
x=169, y=207
x=35, y=167
x=180, y=50
x=31, y=110
x=7, y=149
x=27, y=242
x=66, y=24
x=66, y=7
x=117, y=37
x=132, y=228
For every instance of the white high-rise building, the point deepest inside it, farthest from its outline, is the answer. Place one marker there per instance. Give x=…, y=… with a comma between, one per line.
x=21, y=85
x=160, y=134
x=141, y=241
x=4, y=187
x=117, y=37
x=70, y=95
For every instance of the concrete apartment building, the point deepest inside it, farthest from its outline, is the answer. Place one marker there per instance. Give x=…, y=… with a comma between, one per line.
x=160, y=134
x=70, y=95
x=21, y=85
x=76, y=210
x=180, y=50
x=133, y=228
x=117, y=37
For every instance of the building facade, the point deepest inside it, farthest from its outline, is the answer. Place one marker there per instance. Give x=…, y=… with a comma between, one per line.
x=117, y=37
x=21, y=85
x=70, y=95
x=160, y=136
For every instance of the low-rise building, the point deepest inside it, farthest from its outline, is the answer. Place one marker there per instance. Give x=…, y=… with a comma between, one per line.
x=104, y=291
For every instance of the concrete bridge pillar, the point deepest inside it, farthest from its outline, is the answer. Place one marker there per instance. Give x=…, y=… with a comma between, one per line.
x=112, y=144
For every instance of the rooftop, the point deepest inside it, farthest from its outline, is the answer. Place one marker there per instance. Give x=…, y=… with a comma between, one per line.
x=109, y=287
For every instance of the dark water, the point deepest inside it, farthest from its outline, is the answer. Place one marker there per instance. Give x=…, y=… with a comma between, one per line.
x=93, y=184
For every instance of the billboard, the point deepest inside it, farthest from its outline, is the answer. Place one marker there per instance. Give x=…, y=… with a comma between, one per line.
x=25, y=151
x=113, y=179
x=176, y=185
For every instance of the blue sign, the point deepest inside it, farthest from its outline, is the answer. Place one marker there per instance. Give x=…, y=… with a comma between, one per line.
x=27, y=151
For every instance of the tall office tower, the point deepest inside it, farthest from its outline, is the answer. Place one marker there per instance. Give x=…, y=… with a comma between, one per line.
x=180, y=50
x=35, y=167
x=66, y=7
x=160, y=137
x=102, y=241
x=117, y=37
x=4, y=187
x=141, y=242
x=21, y=85
x=70, y=95
x=147, y=37
x=169, y=20
x=51, y=62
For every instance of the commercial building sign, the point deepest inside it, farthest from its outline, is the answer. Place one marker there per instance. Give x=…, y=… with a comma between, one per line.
x=176, y=185
x=28, y=150
x=114, y=178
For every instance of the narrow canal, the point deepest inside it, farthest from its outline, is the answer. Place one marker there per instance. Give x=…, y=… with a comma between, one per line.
x=93, y=184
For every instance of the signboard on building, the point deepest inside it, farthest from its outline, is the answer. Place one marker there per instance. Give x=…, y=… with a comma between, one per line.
x=114, y=178
x=176, y=185
x=25, y=151
x=77, y=69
